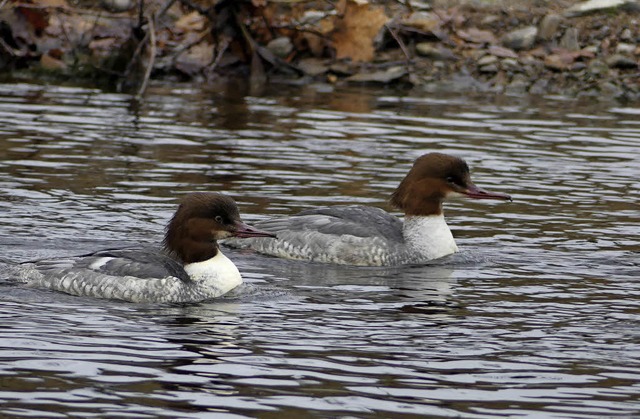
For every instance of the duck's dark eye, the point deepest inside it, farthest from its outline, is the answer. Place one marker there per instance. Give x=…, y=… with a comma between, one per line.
x=451, y=179
x=219, y=219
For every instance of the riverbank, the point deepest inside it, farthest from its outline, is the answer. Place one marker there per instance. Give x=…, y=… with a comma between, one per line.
x=516, y=47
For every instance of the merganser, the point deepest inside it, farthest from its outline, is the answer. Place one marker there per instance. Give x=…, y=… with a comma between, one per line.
x=189, y=268
x=368, y=236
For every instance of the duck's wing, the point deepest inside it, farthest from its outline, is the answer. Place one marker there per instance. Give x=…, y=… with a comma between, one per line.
x=135, y=262
x=355, y=220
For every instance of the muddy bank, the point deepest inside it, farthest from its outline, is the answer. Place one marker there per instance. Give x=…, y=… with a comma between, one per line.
x=568, y=47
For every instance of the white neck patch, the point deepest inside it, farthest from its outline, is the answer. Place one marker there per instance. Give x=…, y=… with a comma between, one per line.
x=429, y=236
x=218, y=272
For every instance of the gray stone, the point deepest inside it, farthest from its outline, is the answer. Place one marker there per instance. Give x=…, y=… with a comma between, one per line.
x=609, y=89
x=436, y=53
x=510, y=64
x=626, y=35
x=280, y=47
x=598, y=68
x=491, y=68
x=487, y=60
x=620, y=61
x=624, y=48
x=539, y=87
x=548, y=27
x=312, y=66
x=383, y=76
x=518, y=86
x=521, y=38
x=569, y=40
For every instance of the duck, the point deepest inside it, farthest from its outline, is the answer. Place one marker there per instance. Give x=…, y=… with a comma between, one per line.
x=360, y=235
x=188, y=267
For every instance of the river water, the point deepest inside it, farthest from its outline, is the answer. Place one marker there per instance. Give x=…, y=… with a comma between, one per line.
x=538, y=316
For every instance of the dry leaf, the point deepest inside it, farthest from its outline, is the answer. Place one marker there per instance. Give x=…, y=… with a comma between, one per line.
x=193, y=21
x=355, y=32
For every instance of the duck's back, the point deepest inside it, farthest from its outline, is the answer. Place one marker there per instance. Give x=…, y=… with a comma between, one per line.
x=348, y=235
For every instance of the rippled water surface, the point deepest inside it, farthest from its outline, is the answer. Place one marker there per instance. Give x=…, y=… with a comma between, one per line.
x=538, y=315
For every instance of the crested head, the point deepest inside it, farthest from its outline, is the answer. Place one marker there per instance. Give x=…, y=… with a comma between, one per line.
x=201, y=219
x=433, y=178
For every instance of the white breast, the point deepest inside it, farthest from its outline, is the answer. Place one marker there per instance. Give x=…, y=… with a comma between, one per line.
x=217, y=273
x=429, y=236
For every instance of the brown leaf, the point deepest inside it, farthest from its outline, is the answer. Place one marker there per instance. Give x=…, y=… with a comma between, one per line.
x=193, y=21
x=50, y=63
x=355, y=32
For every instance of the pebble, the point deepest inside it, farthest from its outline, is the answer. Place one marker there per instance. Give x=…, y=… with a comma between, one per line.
x=569, y=40
x=487, y=60
x=383, y=76
x=490, y=68
x=624, y=48
x=626, y=35
x=280, y=47
x=312, y=66
x=620, y=61
x=426, y=49
x=510, y=64
x=598, y=68
x=548, y=27
x=521, y=38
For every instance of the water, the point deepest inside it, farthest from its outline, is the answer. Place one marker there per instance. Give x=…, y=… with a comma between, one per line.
x=538, y=315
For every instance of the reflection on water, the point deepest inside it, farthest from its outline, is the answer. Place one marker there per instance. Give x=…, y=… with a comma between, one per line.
x=536, y=317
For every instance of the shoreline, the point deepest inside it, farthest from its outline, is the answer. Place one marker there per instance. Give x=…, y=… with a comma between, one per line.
x=572, y=48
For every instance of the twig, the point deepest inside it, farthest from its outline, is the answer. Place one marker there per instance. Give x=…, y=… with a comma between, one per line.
x=399, y=41
x=135, y=55
x=151, y=30
x=223, y=47
x=9, y=49
x=164, y=8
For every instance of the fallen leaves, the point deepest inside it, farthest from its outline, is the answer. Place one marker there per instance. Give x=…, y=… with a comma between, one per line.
x=355, y=32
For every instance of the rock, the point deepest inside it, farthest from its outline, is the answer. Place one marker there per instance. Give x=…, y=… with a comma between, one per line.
x=436, y=53
x=569, y=40
x=626, y=35
x=510, y=64
x=540, y=87
x=423, y=21
x=558, y=62
x=549, y=27
x=341, y=68
x=521, y=38
x=487, y=60
x=280, y=47
x=624, y=48
x=383, y=76
x=592, y=6
x=620, y=61
x=502, y=52
x=490, y=68
x=609, y=89
x=312, y=66
x=598, y=68
x=477, y=36
x=518, y=86
x=593, y=49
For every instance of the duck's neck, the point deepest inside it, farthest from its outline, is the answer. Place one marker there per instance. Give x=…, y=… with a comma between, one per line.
x=429, y=236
